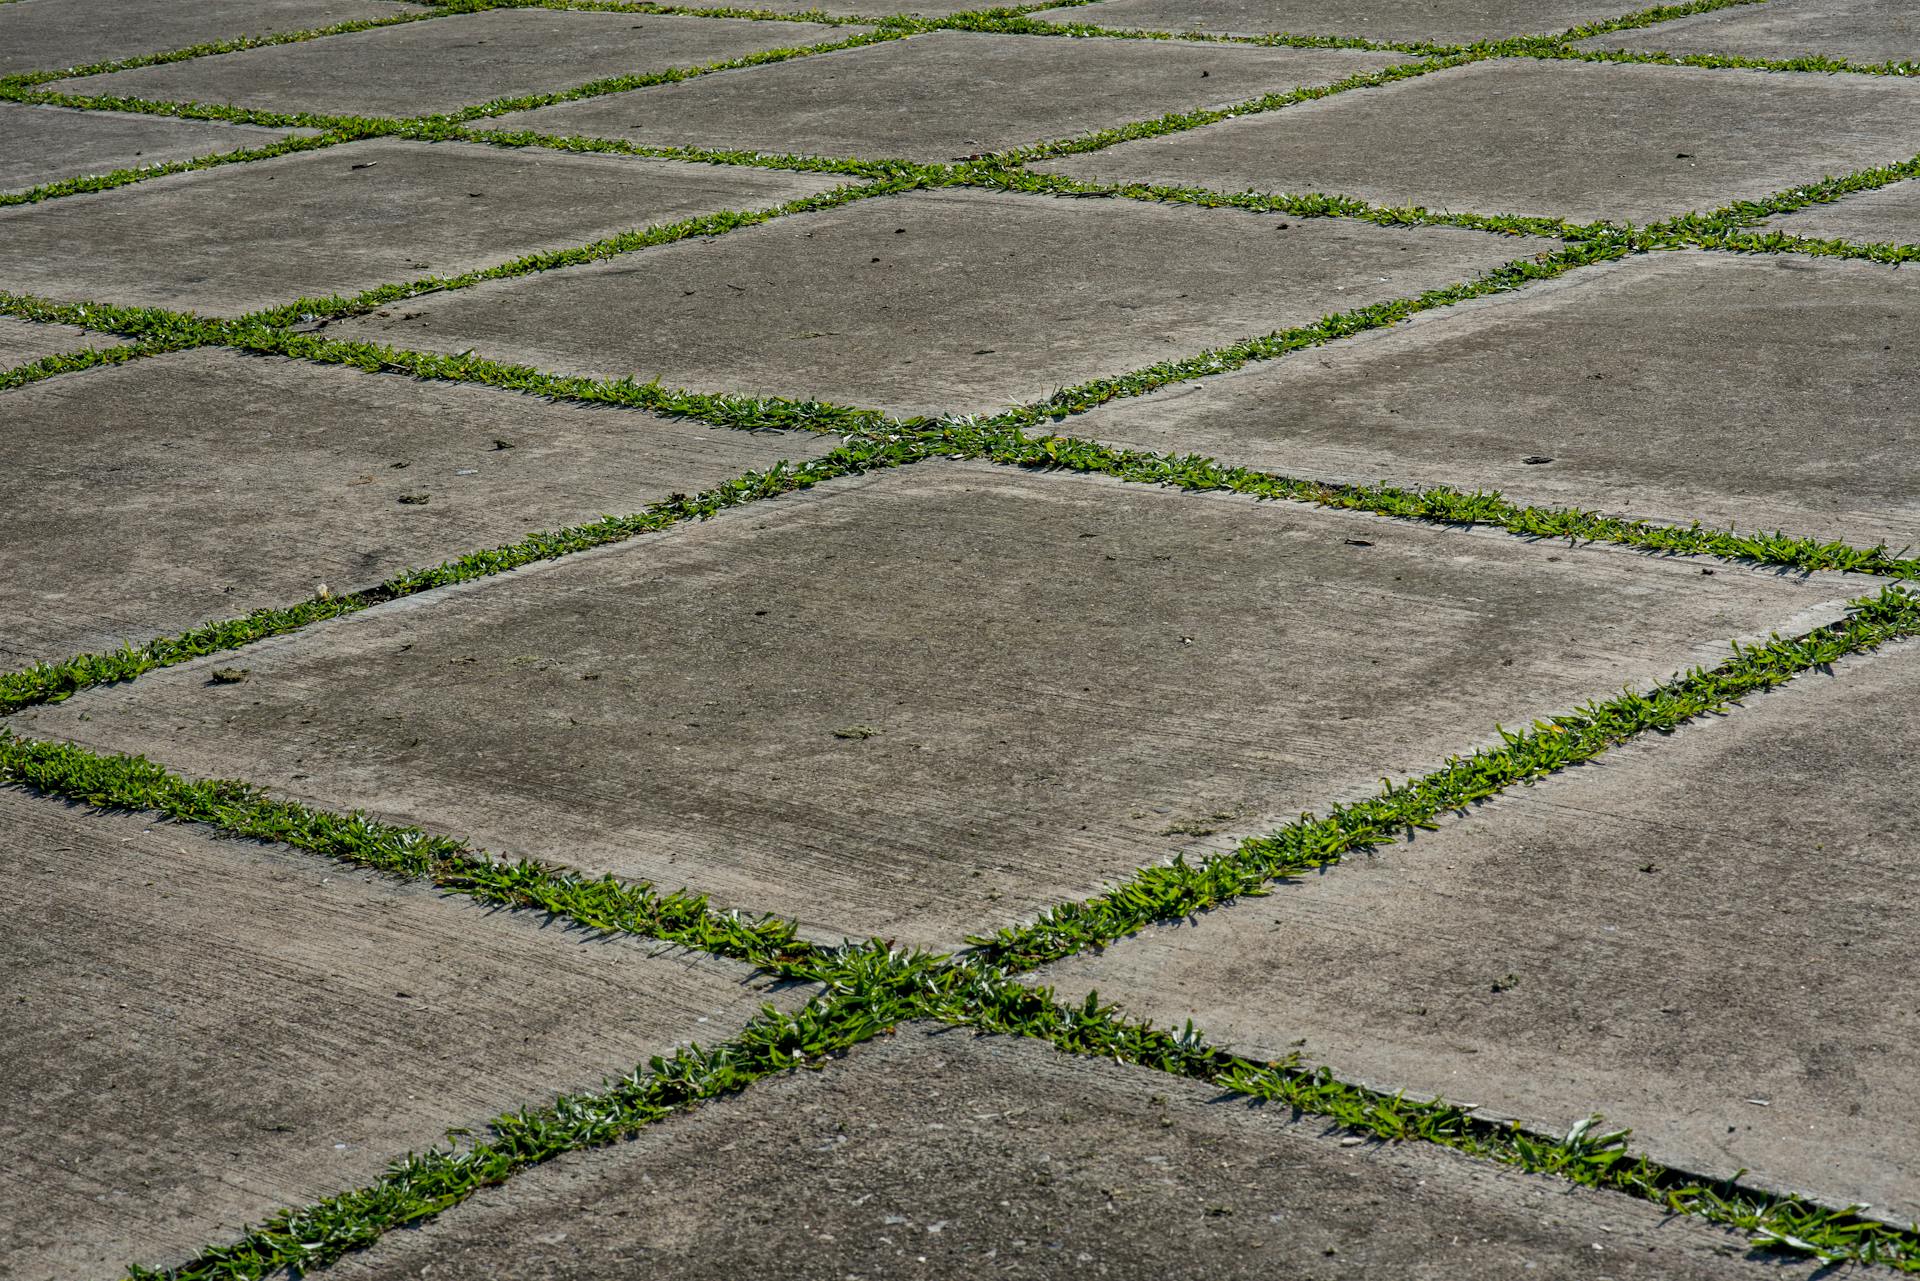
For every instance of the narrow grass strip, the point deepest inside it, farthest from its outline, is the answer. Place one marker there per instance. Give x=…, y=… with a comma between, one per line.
x=1813, y=64
x=1587, y=1155
x=1300, y=205
x=241, y=811
x=123, y=177
x=73, y=362
x=1184, y=121
x=701, y=226
x=421, y=1185
x=54, y=682
x=1180, y=889
x=991, y=442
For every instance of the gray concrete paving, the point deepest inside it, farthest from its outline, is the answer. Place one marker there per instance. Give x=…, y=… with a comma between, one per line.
x=1628, y=388
x=239, y=483
x=49, y=35
x=929, y=302
x=902, y=746
x=1583, y=141
x=22, y=341
x=420, y=68
x=199, y=1032
x=1441, y=21
x=948, y=95
x=350, y=217
x=1889, y=215
x=937, y=1153
x=1702, y=937
x=1861, y=31
x=47, y=144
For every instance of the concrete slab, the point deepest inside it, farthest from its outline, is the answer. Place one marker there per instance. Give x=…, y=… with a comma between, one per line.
x=1705, y=938
x=1861, y=31
x=1440, y=21
x=421, y=68
x=1583, y=141
x=199, y=1032
x=961, y=301
x=48, y=144
x=1038, y=1164
x=925, y=702
x=351, y=217
x=46, y=35
x=22, y=341
x=232, y=483
x=949, y=95
x=1674, y=387
x=1890, y=215
x=861, y=8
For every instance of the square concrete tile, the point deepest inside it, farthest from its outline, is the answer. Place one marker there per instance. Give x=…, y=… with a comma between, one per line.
x=22, y=341
x=350, y=217
x=232, y=483
x=47, y=35
x=421, y=68
x=1583, y=141
x=1890, y=215
x=960, y=301
x=926, y=702
x=1707, y=938
x=1439, y=21
x=199, y=1032
x=1861, y=31
x=1759, y=392
x=945, y=96
x=937, y=1153
x=48, y=144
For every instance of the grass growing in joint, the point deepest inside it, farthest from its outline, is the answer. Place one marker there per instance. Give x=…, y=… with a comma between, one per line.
x=1587, y=1154
x=1180, y=889
x=54, y=682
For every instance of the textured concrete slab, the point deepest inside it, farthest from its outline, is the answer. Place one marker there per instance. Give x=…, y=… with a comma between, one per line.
x=1673, y=387
x=199, y=1032
x=232, y=483
x=1440, y=21
x=47, y=35
x=47, y=144
x=1890, y=215
x=1861, y=31
x=1583, y=141
x=22, y=341
x=420, y=68
x=945, y=96
x=961, y=301
x=366, y=213
x=1706, y=938
x=936, y=1153
x=860, y=8
x=829, y=708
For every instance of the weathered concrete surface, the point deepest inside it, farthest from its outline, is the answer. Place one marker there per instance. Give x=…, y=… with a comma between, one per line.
x=1445, y=22
x=854, y=8
x=23, y=340
x=1689, y=926
x=1861, y=31
x=46, y=35
x=1582, y=141
x=828, y=708
x=937, y=1153
x=351, y=217
x=228, y=483
x=945, y=96
x=1890, y=215
x=199, y=1032
x=47, y=144
x=930, y=302
x=1763, y=393
x=420, y=68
